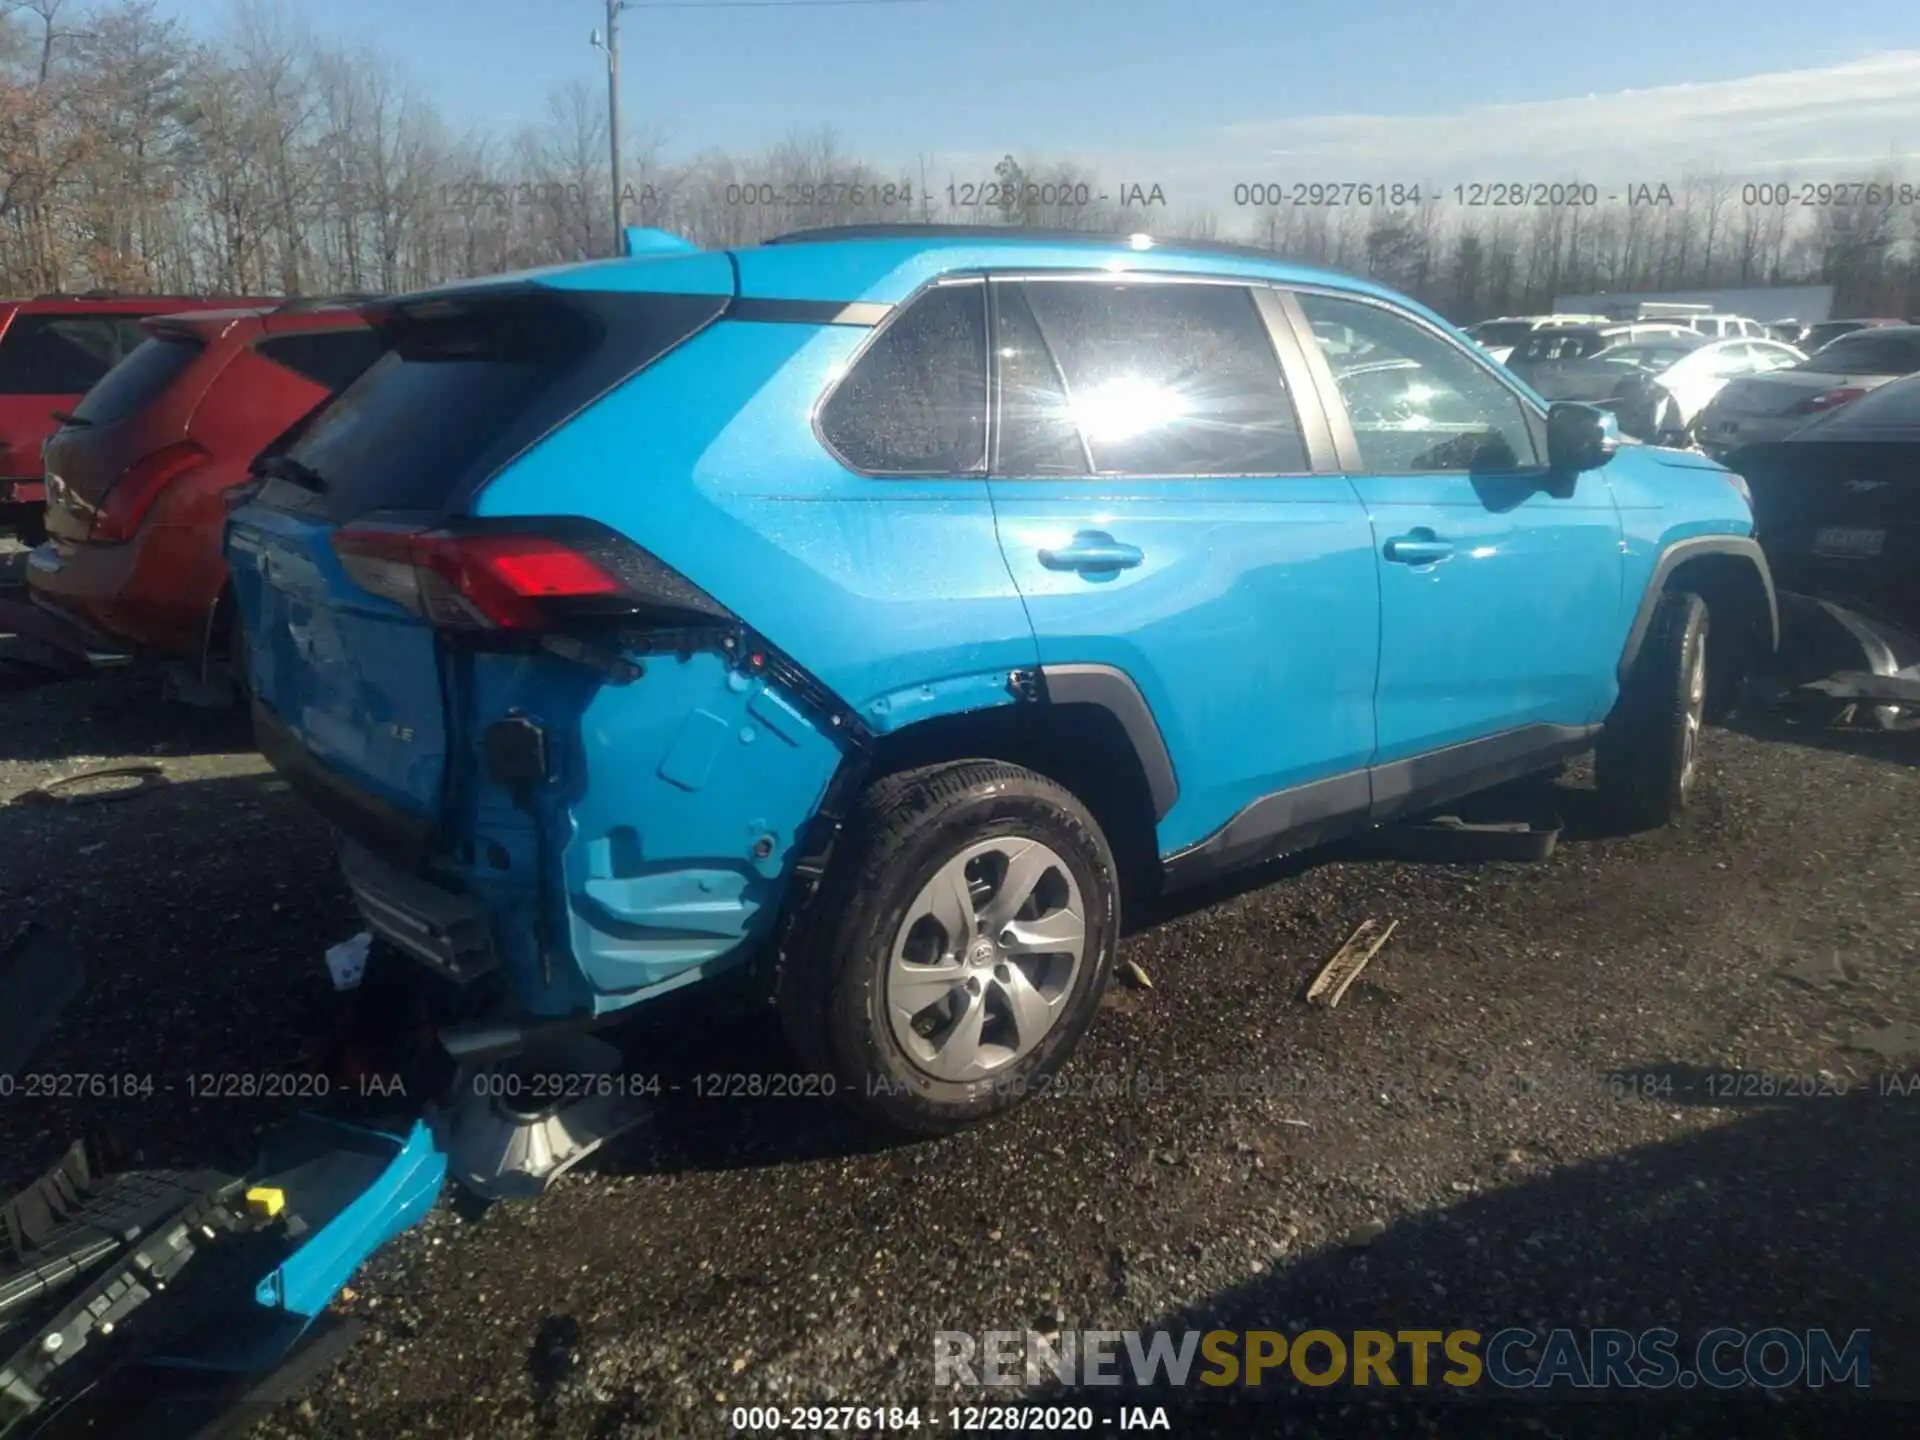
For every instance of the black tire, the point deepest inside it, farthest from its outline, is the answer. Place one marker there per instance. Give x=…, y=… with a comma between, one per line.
x=1645, y=763
x=908, y=826
x=31, y=528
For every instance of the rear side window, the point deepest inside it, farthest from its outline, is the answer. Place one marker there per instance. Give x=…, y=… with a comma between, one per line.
x=466, y=383
x=332, y=359
x=915, y=402
x=139, y=379
x=1141, y=379
x=64, y=354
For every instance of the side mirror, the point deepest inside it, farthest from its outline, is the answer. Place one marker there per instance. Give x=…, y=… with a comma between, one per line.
x=1579, y=437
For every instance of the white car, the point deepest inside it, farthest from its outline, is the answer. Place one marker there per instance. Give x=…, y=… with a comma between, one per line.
x=1658, y=384
x=1689, y=384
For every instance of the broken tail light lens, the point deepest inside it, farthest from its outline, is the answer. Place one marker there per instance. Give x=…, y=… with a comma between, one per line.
x=1827, y=400
x=126, y=503
x=523, y=578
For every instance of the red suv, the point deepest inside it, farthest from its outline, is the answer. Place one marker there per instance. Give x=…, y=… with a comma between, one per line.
x=137, y=476
x=53, y=349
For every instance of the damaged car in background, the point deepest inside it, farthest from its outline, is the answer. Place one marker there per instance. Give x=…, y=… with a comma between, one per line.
x=1837, y=509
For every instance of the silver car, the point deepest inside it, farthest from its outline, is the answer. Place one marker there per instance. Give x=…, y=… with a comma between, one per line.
x=1773, y=405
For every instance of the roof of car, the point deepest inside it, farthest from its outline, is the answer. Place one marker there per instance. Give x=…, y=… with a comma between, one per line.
x=884, y=264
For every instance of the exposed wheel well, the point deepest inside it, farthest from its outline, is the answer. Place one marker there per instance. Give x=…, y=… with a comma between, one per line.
x=1080, y=746
x=1742, y=634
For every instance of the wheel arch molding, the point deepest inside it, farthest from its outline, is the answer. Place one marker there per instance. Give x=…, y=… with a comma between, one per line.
x=1113, y=690
x=1744, y=550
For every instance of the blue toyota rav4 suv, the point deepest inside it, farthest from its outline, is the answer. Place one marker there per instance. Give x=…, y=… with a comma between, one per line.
x=889, y=605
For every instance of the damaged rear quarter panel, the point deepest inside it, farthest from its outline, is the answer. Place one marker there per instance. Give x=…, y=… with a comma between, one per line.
x=676, y=809
x=892, y=594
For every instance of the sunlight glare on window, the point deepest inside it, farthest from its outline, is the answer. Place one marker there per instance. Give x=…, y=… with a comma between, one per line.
x=1124, y=407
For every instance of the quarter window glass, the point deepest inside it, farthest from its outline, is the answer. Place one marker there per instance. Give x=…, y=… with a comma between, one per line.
x=1160, y=379
x=1418, y=403
x=915, y=403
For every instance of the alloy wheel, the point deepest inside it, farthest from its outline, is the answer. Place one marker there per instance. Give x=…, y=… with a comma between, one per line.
x=1696, y=709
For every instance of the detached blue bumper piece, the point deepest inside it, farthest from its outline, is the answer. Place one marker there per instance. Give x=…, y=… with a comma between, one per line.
x=387, y=1184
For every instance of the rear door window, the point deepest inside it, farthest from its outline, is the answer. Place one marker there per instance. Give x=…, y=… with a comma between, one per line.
x=139, y=379
x=64, y=354
x=1143, y=379
x=332, y=359
x=915, y=402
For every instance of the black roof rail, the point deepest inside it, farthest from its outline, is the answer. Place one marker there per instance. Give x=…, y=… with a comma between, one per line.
x=1038, y=234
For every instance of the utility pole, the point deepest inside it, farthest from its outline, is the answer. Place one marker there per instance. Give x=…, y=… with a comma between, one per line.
x=612, y=47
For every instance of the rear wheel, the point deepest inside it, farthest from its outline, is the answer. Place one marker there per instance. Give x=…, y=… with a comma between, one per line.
x=960, y=947
x=1648, y=755
x=31, y=528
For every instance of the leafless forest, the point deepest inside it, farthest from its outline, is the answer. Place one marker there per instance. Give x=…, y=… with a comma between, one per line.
x=135, y=156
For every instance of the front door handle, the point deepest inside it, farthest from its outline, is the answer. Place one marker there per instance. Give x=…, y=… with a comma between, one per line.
x=1093, y=550
x=1422, y=547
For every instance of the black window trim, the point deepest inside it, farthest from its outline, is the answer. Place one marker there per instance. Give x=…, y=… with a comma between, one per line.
x=896, y=315
x=1335, y=405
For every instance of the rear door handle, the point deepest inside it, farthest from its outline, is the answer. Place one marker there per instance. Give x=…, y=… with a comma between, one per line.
x=1422, y=547
x=1093, y=550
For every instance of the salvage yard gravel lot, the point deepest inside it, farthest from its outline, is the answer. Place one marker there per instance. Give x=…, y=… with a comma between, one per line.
x=1533, y=1108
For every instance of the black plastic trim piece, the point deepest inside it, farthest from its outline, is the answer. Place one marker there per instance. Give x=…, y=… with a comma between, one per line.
x=1302, y=816
x=1114, y=691
x=1406, y=786
x=1676, y=555
x=1291, y=819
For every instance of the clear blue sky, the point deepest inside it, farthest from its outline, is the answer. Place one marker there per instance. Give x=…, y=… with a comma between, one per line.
x=1062, y=76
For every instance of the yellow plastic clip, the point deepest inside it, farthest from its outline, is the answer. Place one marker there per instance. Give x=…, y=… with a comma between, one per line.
x=266, y=1201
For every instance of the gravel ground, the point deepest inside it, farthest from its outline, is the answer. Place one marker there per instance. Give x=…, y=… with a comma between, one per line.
x=1442, y=1150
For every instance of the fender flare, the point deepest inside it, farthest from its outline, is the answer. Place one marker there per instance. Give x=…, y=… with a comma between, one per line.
x=1743, y=547
x=1113, y=690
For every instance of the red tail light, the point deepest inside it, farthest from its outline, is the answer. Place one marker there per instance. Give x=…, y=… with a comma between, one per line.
x=1827, y=400
x=126, y=504
x=518, y=579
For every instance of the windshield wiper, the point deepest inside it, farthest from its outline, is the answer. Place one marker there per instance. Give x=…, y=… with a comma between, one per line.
x=67, y=417
x=285, y=467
